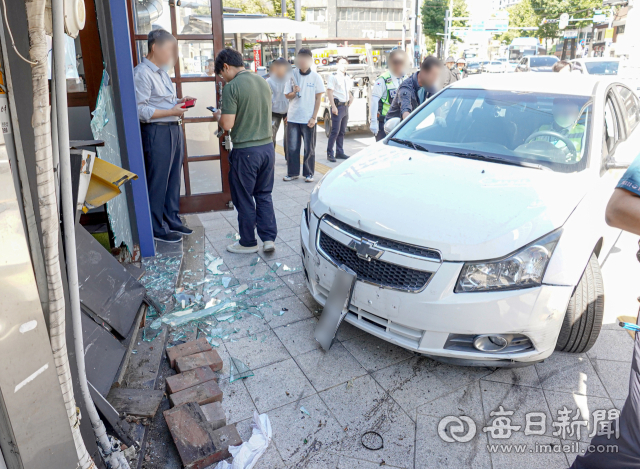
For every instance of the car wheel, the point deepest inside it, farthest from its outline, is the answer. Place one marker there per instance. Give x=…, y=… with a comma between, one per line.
x=583, y=319
x=327, y=123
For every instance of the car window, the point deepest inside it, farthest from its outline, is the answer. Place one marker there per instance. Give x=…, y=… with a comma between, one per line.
x=541, y=128
x=611, y=127
x=602, y=67
x=631, y=106
x=543, y=61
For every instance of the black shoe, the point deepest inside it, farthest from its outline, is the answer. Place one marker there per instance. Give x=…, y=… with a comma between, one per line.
x=183, y=230
x=331, y=158
x=168, y=238
x=342, y=156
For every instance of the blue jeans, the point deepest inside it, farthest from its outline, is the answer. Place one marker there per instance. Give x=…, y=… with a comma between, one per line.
x=338, y=129
x=295, y=133
x=251, y=181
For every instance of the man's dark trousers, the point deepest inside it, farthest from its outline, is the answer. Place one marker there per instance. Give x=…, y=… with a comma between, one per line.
x=381, y=133
x=628, y=444
x=251, y=180
x=276, y=119
x=295, y=133
x=338, y=129
x=163, y=147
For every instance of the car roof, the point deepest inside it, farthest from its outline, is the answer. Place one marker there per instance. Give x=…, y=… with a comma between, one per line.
x=557, y=83
x=597, y=59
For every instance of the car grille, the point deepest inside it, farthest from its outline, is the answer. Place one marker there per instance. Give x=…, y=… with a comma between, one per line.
x=374, y=271
x=386, y=243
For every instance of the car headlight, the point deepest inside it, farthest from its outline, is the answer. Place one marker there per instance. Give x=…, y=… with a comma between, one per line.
x=522, y=269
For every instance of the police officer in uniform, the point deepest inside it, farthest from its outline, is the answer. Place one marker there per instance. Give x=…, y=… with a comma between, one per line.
x=384, y=90
x=340, y=97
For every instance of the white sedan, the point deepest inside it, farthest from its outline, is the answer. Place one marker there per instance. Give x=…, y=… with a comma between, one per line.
x=476, y=228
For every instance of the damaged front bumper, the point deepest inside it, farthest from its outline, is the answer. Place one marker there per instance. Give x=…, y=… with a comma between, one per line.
x=434, y=320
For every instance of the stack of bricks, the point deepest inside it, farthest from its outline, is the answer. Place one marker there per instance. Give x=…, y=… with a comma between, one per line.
x=197, y=420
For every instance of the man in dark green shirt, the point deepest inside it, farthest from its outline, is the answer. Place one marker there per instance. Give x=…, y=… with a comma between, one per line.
x=246, y=115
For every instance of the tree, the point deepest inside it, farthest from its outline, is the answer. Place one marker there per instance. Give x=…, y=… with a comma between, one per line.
x=266, y=7
x=520, y=15
x=552, y=9
x=433, y=13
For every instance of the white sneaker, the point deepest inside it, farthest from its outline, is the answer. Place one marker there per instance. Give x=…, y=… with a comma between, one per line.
x=269, y=246
x=290, y=178
x=238, y=248
x=308, y=179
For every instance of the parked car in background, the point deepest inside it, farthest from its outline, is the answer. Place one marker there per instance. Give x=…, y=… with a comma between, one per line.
x=473, y=68
x=598, y=65
x=477, y=231
x=536, y=63
x=495, y=66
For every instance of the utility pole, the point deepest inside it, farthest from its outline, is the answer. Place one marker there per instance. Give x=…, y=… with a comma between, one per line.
x=412, y=32
x=404, y=25
x=298, y=35
x=285, y=46
x=447, y=29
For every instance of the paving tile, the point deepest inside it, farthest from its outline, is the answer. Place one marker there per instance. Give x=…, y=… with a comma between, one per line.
x=419, y=380
x=290, y=265
x=209, y=216
x=285, y=203
x=310, y=302
x=278, y=196
x=350, y=463
x=258, y=353
x=290, y=234
x=517, y=399
x=466, y=400
x=282, y=250
x=219, y=223
x=433, y=452
x=347, y=331
x=277, y=385
x=296, y=246
x=285, y=223
x=296, y=310
x=328, y=369
x=523, y=376
x=297, y=283
x=373, y=353
x=614, y=376
x=575, y=403
x=298, y=337
x=274, y=290
x=532, y=455
x=233, y=260
x=293, y=212
x=612, y=345
x=570, y=373
x=365, y=406
x=236, y=401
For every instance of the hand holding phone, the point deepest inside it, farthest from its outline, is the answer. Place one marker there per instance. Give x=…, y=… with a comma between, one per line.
x=189, y=103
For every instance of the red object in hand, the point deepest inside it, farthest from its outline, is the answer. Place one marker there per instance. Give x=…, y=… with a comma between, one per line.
x=189, y=103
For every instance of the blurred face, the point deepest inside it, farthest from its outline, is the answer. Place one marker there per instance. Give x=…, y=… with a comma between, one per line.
x=227, y=73
x=450, y=65
x=398, y=64
x=210, y=70
x=303, y=62
x=428, y=78
x=279, y=70
x=565, y=114
x=165, y=54
x=460, y=65
x=342, y=65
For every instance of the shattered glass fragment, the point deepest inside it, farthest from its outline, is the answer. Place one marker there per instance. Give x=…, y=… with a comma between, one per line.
x=148, y=335
x=254, y=261
x=234, y=236
x=179, y=318
x=286, y=268
x=275, y=266
x=238, y=370
x=214, y=266
x=304, y=411
x=279, y=313
x=241, y=289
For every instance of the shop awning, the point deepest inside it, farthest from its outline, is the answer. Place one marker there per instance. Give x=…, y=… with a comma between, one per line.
x=268, y=25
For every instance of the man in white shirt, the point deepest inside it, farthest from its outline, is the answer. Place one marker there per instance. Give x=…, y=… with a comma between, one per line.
x=340, y=97
x=384, y=90
x=304, y=91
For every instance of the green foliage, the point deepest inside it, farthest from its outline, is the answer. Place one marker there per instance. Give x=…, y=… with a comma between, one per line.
x=266, y=7
x=552, y=9
x=520, y=15
x=433, y=12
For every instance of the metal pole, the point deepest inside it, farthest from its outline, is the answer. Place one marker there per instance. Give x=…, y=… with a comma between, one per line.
x=447, y=14
x=285, y=46
x=298, y=35
x=404, y=25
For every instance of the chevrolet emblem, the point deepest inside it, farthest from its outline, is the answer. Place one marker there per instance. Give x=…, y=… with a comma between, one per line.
x=365, y=249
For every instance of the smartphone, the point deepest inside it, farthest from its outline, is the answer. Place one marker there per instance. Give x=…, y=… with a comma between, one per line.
x=189, y=103
x=212, y=109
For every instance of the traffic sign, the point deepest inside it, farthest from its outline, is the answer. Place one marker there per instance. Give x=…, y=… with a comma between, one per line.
x=564, y=21
x=599, y=18
x=571, y=34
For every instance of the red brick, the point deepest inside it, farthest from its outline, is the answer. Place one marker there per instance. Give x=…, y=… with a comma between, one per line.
x=202, y=394
x=209, y=358
x=214, y=414
x=190, y=378
x=189, y=348
x=198, y=445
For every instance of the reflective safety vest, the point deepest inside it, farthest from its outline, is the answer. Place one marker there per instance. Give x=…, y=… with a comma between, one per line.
x=392, y=89
x=575, y=134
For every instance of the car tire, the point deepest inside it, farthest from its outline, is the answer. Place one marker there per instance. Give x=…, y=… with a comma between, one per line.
x=583, y=319
x=327, y=123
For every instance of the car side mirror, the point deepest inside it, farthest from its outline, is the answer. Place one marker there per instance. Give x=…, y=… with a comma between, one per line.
x=391, y=124
x=613, y=164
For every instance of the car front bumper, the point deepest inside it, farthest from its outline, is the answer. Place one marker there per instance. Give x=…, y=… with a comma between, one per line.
x=427, y=321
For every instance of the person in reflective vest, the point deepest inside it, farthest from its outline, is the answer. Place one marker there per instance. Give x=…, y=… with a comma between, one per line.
x=566, y=123
x=384, y=90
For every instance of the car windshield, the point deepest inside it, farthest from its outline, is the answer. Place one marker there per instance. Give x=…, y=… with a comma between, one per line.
x=542, y=61
x=609, y=67
x=496, y=63
x=544, y=129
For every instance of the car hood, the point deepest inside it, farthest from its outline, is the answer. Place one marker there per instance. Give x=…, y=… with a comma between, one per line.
x=467, y=209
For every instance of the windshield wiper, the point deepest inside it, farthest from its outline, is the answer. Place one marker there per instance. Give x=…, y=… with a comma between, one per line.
x=408, y=143
x=496, y=159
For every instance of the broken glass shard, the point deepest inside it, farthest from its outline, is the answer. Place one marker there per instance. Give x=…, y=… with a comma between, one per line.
x=254, y=261
x=214, y=266
x=179, y=318
x=241, y=289
x=238, y=370
x=235, y=236
x=304, y=411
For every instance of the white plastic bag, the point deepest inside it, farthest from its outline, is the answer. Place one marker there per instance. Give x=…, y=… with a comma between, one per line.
x=247, y=454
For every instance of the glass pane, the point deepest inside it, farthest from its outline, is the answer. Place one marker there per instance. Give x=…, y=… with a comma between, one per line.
x=205, y=93
x=205, y=177
x=194, y=17
x=194, y=56
x=142, y=50
x=201, y=138
x=149, y=13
